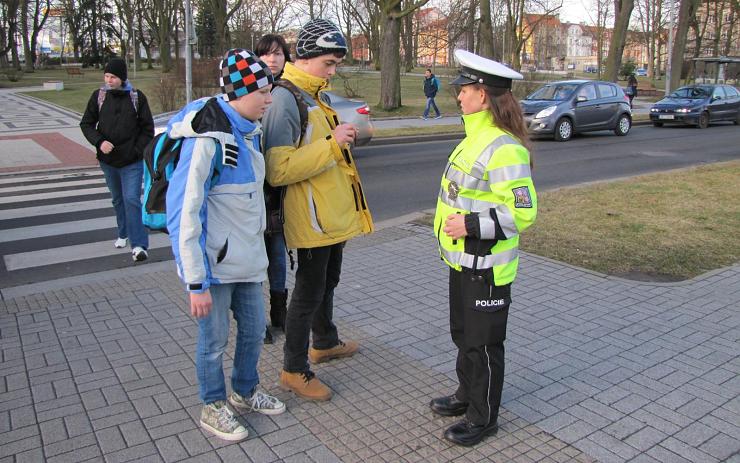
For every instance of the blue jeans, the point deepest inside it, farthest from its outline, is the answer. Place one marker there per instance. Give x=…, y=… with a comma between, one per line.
x=276, y=271
x=244, y=302
x=431, y=104
x=124, y=184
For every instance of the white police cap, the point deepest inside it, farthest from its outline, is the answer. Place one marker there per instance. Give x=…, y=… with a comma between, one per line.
x=476, y=69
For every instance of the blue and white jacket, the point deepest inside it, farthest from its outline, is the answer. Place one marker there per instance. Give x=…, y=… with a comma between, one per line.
x=216, y=229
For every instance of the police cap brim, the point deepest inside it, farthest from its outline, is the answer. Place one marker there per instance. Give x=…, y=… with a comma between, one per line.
x=462, y=80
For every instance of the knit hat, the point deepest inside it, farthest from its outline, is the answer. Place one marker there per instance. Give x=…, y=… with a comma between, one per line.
x=243, y=72
x=319, y=37
x=117, y=67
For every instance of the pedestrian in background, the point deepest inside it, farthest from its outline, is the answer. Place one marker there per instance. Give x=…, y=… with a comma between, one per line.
x=118, y=122
x=431, y=87
x=486, y=200
x=274, y=52
x=324, y=203
x=632, y=87
x=215, y=217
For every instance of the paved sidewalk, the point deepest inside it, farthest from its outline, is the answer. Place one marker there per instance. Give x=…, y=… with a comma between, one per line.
x=598, y=369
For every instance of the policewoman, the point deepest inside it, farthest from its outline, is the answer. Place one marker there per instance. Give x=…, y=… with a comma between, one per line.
x=486, y=200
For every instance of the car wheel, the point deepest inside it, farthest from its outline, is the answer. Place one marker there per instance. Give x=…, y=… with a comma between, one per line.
x=737, y=119
x=657, y=124
x=563, y=129
x=703, y=120
x=623, y=125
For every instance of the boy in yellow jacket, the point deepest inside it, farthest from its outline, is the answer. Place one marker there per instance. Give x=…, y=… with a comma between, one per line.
x=324, y=203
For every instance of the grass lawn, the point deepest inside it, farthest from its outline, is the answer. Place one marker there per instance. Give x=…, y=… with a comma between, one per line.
x=661, y=227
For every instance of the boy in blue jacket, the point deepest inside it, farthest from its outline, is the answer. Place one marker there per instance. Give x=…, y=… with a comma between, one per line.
x=216, y=220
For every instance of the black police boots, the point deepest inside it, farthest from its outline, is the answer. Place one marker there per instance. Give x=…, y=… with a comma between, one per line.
x=448, y=406
x=466, y=433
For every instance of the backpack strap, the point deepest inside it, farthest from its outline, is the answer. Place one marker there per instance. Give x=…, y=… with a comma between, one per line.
x=101, y=98
x=300, y=101
x=134, y=94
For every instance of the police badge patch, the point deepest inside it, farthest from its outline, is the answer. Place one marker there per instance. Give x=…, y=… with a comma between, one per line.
x=522, y=198
x=453, y=190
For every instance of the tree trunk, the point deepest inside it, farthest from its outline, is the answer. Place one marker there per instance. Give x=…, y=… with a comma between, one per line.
x=27, y=52
x=685, y=13
x=485, y=31
x=408, y=43
x=622, y=12
x=390, y=78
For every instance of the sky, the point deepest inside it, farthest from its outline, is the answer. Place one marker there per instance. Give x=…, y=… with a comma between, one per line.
x=575, y=11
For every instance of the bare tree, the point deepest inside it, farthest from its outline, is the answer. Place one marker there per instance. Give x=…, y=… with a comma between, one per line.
x=160, y=21
x=222, y=13
x=622, y=14
x=37, y=11
x=366, y=14
x=390, y=60
x=686, y=11
x=518, y=30
x=8, y=31
x=485, y=30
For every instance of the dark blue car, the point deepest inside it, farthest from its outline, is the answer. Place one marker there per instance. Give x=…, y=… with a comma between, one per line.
x=698, y=105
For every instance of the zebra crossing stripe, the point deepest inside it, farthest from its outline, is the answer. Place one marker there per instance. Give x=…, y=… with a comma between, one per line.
x=14, y=178
x=74, y=253
x=45, y=186
x=54, y=194
x=24, y=212
x=62, y=228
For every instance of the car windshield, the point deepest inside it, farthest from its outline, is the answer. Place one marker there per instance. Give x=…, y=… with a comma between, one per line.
x=553, y=92
x=692, y=92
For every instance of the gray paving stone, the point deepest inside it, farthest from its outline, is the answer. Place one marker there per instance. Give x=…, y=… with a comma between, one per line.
x=721, y=446
x=646, y=438
x=171, y=449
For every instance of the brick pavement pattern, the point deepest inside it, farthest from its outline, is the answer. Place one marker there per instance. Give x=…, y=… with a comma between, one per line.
x=598, y=369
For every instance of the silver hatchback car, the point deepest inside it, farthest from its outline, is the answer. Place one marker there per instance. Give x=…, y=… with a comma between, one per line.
x=355, y=112
x=562, y=109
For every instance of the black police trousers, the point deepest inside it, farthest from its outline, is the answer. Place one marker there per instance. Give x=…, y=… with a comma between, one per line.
x=478, y=316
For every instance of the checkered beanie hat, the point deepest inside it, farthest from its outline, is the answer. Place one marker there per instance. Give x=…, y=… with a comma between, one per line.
x=243, y=72
x=319, y=37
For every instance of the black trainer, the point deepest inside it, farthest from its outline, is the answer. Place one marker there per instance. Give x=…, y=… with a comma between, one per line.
x=466, y=433
x=448, y=406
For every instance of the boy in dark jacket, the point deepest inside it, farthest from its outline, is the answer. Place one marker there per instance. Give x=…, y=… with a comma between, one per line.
x=431, y=86
x=118, y=122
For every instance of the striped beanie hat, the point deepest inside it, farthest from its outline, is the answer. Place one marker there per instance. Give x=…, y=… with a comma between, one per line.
x=319, y=37
x=243, y=72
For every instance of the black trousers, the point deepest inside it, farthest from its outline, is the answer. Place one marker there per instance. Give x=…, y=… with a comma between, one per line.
x=478, y=317
x=311, y=307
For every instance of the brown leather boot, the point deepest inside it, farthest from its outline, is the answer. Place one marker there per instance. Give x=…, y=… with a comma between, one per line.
x=305, y=385
x=343, y=349
x=278, y=308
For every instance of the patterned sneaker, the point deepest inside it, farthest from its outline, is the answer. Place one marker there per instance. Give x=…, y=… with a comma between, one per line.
x=121, y=243
x=220, y=420
x=139, y=254
x=439, y=117
x=259, y=402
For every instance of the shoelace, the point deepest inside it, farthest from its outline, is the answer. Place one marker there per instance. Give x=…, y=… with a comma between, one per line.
x=261, y=400
x=308, y=376
x=226, y=418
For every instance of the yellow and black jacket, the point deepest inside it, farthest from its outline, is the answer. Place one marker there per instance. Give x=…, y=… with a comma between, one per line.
x=324, y=200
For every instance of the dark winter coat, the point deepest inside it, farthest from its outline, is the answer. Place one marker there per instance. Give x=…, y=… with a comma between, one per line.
x=431, y=85
x=117, y=121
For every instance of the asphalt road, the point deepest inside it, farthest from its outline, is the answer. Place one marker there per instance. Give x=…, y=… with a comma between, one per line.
x=63, y=225
x=404, y=178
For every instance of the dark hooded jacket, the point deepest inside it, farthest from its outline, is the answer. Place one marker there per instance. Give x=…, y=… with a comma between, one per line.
x=129, y=129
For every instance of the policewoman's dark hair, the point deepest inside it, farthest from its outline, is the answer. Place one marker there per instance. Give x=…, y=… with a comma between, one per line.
x=270, y=42
x=507, y=114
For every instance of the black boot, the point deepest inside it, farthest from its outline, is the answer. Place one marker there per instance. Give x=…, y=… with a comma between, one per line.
x=268, y=335
x=278, y=308
x=448, y=406
x=466, y=433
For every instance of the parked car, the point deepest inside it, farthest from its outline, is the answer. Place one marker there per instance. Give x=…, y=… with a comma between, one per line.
x=564, y=108
x=350, y=111
x=641, y=72
x=354, y=112
x=698, y=105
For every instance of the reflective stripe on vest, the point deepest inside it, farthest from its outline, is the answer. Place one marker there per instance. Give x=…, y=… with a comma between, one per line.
x=484, y=262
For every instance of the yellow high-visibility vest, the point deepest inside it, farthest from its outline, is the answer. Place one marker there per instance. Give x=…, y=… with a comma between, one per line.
x=488, y=171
